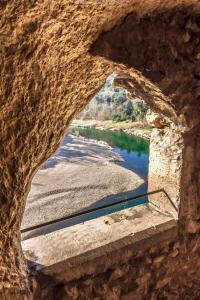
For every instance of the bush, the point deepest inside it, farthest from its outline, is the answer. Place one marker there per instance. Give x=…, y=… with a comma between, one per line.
x=113, y=104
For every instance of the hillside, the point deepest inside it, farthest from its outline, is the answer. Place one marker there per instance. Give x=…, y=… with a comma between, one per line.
x=113, y=103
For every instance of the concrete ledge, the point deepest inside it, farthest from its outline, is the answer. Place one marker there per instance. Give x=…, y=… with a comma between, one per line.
x=94, y=246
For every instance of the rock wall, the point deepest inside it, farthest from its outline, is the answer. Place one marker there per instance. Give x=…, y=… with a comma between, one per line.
x=189, y=214
x=165, y=166
x=47, y=77
x=163, y=44
x=155, y=269
x=54, y=57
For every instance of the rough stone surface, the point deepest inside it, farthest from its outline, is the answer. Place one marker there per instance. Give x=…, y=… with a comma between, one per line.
x=162, y=42
x=146, y=274
x=165, y=166
x=54, y=57
x=143, y=270
x=156, y=120
x=47, y=76
x=134, y=223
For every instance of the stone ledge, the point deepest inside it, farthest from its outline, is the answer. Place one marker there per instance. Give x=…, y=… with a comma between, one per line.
x=94, y=246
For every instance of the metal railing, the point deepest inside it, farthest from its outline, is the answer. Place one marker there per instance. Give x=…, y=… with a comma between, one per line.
x=103, y=209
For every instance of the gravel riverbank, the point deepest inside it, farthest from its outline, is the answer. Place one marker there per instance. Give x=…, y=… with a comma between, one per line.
x=81, y=174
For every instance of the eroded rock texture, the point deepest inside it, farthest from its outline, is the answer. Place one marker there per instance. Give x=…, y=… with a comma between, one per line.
x=164, y=45
x=54, y=57
x=131, y=275
x=165, y=167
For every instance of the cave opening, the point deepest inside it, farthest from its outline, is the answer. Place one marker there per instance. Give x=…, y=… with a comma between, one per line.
x=47, y=75
x=111, y=151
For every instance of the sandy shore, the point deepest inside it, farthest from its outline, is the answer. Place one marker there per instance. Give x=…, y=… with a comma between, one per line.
x=82, y=174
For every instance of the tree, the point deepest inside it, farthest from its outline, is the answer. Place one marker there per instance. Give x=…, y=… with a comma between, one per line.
x=113, y=103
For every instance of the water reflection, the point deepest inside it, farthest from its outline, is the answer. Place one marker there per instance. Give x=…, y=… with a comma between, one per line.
x=116, y=139
x=134, y=150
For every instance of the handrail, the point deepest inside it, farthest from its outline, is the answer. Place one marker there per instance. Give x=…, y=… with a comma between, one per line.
x=85, y=212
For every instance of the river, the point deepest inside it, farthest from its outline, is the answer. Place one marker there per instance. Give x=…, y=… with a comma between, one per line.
x=49, y=201
x=134, y=151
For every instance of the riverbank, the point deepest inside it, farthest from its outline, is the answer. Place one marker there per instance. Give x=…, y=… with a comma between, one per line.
x=82, y=174
x=133, y=128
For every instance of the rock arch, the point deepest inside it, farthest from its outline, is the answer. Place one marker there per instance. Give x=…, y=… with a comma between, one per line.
x=54, y=58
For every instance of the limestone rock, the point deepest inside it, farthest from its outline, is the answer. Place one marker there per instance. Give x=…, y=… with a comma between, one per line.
x=156, y=120
x=55, y=55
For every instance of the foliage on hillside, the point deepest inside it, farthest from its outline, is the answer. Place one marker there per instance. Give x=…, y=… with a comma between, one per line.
x=113, y=103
